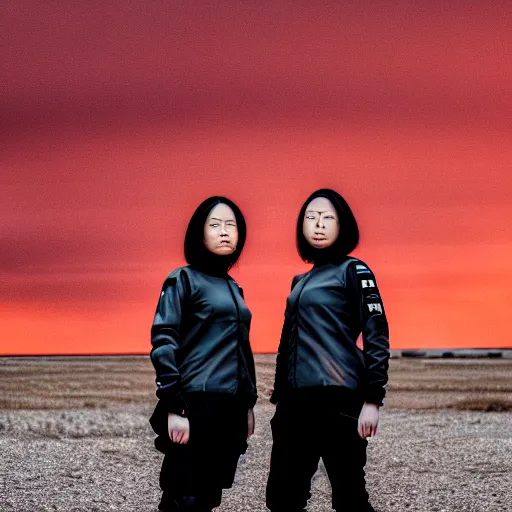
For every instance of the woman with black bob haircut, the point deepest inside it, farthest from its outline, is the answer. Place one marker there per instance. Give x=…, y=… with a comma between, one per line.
x=343, y=245
x=327, y=389
x=205, y=376
x=197, y=254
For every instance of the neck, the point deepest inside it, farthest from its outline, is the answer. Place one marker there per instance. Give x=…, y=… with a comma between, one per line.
x=326, y=256
x=214, y=265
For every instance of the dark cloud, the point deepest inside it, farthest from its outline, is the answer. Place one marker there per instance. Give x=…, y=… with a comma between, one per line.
x=118, y=118
x=80, y=64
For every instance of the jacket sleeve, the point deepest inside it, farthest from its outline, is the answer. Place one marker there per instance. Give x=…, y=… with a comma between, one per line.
x=282, y=355
x=251, y=368
x=248, y=358
x=375, y=332
x=280, y=376
x=165, y=341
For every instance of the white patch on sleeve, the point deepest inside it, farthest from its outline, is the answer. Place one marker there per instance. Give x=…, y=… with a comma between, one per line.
x=367, y=283
x=375, y=307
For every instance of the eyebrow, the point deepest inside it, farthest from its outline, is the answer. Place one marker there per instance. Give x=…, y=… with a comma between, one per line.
x=320, y=211
x=220, y=220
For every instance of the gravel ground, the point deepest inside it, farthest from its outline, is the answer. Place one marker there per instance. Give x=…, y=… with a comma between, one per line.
x=90, y=448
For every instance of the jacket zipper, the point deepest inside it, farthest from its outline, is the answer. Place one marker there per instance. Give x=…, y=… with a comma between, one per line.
x=238, y=335
x=296, y=318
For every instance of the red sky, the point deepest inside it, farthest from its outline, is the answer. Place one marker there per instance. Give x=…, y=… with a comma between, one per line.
x=117, y=120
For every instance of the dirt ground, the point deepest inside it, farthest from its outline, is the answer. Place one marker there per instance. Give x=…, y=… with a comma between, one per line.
x=74, y=436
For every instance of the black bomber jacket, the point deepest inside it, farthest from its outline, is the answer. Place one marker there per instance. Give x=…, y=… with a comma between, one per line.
x=328, y=308
x=200, y=339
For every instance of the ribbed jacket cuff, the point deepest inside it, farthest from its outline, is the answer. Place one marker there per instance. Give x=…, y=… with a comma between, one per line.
x=174, y=403
x=374, y=396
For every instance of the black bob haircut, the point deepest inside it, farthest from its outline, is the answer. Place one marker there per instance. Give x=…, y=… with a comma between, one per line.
x=196, y=252
x=347, y=239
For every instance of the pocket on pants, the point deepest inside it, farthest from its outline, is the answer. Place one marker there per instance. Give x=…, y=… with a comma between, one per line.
x=348, y=416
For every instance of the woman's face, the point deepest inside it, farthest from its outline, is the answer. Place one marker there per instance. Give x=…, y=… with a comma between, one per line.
x=221, y=231
x=321, y=224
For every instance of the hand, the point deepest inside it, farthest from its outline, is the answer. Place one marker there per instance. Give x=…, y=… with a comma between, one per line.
x=178, y=428
x=368, y=420
x=250, y=423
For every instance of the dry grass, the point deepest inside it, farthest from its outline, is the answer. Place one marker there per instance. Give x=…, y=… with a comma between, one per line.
x=74, y=437
x=102, y=382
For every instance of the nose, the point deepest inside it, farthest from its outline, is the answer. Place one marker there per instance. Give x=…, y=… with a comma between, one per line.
x=223, y=231
x=320, y=224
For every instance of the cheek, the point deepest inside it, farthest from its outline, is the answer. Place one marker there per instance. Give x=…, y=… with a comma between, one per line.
x=209, y=243
x=209, y=237
x=335, y=230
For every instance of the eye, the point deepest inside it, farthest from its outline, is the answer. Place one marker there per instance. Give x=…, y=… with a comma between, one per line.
x=213, y=225
x=311, y=217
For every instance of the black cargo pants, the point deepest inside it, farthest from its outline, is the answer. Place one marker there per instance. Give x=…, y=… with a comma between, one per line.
x=298, y=444
x=193, y=475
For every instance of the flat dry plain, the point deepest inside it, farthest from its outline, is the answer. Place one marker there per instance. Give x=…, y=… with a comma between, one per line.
x=74, y=436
